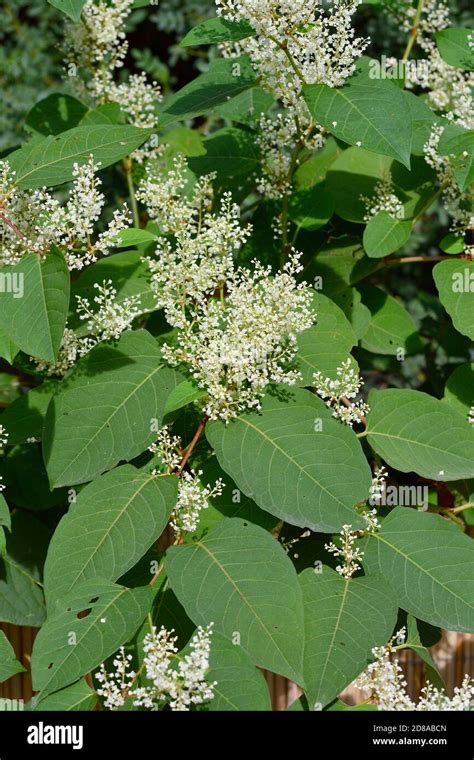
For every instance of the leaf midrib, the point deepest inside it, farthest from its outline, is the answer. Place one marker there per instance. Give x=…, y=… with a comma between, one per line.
x=301, y=469
x=245, y=600
x=433, y=578
x=108, y=420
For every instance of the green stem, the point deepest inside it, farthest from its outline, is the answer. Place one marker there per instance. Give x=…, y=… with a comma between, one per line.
x=127, y=167
x=413, y=31
x=285, y=243
x=457, y=510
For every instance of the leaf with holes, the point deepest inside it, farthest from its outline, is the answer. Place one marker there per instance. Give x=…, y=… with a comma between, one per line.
x=85, y=627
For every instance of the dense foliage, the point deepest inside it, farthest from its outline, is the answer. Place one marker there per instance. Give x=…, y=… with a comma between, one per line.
x=236, y=324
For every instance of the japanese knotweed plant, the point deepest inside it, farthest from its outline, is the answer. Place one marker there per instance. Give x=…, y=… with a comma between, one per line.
x=237, y=396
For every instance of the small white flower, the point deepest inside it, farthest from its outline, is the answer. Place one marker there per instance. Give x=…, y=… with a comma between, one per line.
x=337, y=393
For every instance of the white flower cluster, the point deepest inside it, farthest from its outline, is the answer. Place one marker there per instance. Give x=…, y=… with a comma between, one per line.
x=297, y=43
x=193, y=496
x=176, y=681
x=98, y=46
x=338, y=392
x=470, y=417
x=236, y=328
x=112, y=317
x=383, y=199
x=345, y=550
x=72, y=348
x=276, y=139
x=3, y=443
x=36, y=220
x=457, y=203
x=379, y=483
x=116, y=685
x=168, y=448
x=110, y=320
x=385, y=683
x=449, y=88
x=174, y=205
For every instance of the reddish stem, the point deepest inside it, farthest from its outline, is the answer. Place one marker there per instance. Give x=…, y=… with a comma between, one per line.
x=188, y=449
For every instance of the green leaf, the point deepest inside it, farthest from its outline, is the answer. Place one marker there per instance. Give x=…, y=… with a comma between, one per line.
x=240, y=686
x=459, y=147
x=354, y=176
x=327, y=344
x=108, y=113
x=133, y=236
x=415, y=432
x=231, y=503
x=55, y=114
x=295, y=461
x=423, y=120
x=229, y=152
x=455, y=283
x=384, y=234
x=216, y=30
x=452, y=243
x=453, y=45
x=34, y=314
x=113, y=522
x=9, y=665
x=71, y=8
x=459, y=390
x=240, y=578
x=24, y=418
x=392, y=328
x=314, y=169
x=77, y=697
x=85, y=627
x=225, y=78
x=108, y=410
x=21, y=594
x=370, y=113
x=344, y=620
x=183, y=394
x=356, y=312
x=429, y=564
x=50, y=161
x=413, y=642
x=8, y=350
x=32, y=492
x=247, y=107
x=340, y=265
x=312, y=208
x=5, y=517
